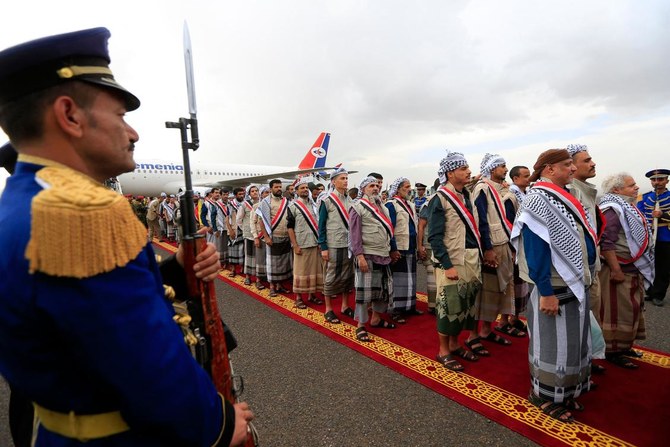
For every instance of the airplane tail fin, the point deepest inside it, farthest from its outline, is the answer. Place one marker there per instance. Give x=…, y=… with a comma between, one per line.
x=316, y=156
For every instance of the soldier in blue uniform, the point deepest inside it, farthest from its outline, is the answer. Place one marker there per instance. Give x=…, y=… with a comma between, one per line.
x=655, y=205
x=421, y=197
x=86, y=333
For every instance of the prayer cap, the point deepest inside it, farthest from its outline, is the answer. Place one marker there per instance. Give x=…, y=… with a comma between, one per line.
x=658, y=173
x=163, y=194
x=548, y=157
x=42, y=63
x=489, y=163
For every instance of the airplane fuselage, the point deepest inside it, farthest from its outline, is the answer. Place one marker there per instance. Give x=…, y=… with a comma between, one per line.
x=151, y=177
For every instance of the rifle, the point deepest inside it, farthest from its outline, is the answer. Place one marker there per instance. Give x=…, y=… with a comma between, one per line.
x=211, y=348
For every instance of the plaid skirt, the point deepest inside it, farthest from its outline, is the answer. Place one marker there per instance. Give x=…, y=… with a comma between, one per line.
x=308, y=271
x=236, y=251
x=404, y=283
x=249, y=257
x=261, y=271
x=278, y=259
x=339, y=272
x=559, y=349
x=375, y=285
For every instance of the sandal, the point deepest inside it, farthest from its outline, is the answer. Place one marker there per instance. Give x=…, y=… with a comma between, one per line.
x=510, y=330
x=551, y=409
x=465, y=355
x=633, y=353
x=247, y=282
x=398, y=318
x=273, y=293
x=477, y=347
x=520, y=325
x=232, y=274
x=300, y=304
x=315, y=300
x=362, y=334
x=572, y=405
x=331, y=317
x=281, y=289
x=448, y=362
x=497, y=339
x=260, y=286
x=349, y=312
x=622, y=361
x=383, y=324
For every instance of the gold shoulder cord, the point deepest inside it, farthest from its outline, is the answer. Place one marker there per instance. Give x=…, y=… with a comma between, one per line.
x=79, y=227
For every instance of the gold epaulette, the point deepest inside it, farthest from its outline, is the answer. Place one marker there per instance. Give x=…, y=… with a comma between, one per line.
x=79, y=227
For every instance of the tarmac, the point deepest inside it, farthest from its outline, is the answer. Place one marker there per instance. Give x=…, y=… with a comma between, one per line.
x=308, y=390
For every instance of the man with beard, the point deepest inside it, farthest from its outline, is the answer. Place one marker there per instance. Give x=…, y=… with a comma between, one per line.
x=373, y=247
x=425, y=253
x=556, y=251
x=520, y=176
x=655, y=205
x=303, y=230
x=220, y=213
x=456, y=245
x=334, y=242
x=257, y=231
x=628, y=269
x=243, y=220
x=497, y=296
x=273, y=214
x=236, y=240
x=403, y=218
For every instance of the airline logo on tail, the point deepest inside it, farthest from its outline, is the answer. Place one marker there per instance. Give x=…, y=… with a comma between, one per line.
x=316, y=157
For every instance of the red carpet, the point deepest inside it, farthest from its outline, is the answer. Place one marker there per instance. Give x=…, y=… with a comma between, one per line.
x=628, y=408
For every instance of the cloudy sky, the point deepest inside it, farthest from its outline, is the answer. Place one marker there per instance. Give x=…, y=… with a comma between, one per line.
x=395, y=82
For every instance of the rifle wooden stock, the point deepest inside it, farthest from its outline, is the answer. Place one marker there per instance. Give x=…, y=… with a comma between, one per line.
x=212, y=350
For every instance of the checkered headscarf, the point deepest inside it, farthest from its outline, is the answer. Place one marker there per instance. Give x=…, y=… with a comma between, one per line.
x=366, y=181
x=393, y=190
x=451, y=162
x=574, y=149
x=489, y=163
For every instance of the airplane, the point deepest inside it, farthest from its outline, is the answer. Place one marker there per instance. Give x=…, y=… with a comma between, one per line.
x=151, y=177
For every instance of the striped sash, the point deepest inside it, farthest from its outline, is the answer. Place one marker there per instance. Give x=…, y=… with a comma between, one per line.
x=571, y=203
x=500, y=210
x=309, y=217
x=465, y=215
x=283, y=206
x=378, y=215
x=341, y=210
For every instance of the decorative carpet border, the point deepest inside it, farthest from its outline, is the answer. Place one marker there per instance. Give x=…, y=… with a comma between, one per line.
x=494, y=402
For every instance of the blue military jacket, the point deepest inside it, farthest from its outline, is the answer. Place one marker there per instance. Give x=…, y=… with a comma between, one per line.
x=97, y=344
x=647, y=204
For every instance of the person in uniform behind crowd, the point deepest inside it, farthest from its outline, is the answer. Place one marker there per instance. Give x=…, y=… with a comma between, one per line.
x=556, y=250
x=303, y=230
x=87, y=334
x=373, y=247
x=278, y=257
x=655, y=205
x=421, y=197
x=628, y=270
x=457, y=252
